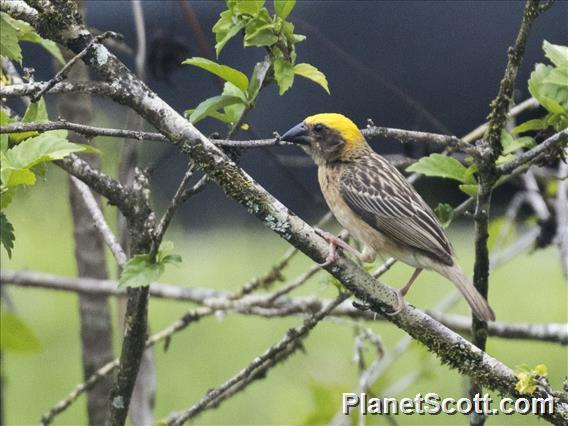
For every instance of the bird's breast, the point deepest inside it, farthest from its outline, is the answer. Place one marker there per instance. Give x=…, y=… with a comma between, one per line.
x=328, y=177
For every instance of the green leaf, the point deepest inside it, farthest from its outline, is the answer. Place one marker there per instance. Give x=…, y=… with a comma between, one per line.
x=7, y=236
x=284, y=74
x=234, y=111
x=469, y=189
x=495, y=231
x=213, y=104
x=445, y=214
x=35, y=113
x=48, y=146
x=6, y=196
x=257, y=78
x=527, y=126
x=284, y=7
x=440, y=166
x=556, y=53
x=17, y=176
x=27, y=33
x=16, y=336
x=225, y=72
x=312, y=73
x=261, y=31
x=139, y=271
x=9, y=46
x=552, y=96
x=246, y=7
x=225, y=29
x=469, y=175
x=511, y=144
x=558, y=77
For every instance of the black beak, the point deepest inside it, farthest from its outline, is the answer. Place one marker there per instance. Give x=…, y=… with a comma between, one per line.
x=297, y=134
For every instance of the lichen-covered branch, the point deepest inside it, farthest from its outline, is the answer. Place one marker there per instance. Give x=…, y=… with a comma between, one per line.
x=489, y=149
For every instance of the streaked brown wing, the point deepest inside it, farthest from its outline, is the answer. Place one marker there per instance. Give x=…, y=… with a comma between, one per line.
x=382, y=197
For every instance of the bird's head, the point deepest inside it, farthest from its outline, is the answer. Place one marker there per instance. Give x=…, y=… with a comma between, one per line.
x=327, y=137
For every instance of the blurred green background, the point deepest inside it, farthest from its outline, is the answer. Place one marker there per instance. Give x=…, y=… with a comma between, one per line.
x=307, y=388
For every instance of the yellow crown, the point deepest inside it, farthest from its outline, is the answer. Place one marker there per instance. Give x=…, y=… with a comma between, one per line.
x=346, y=128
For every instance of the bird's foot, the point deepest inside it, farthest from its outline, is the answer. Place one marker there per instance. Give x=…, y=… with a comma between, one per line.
x=333, y=243
x=401, y=303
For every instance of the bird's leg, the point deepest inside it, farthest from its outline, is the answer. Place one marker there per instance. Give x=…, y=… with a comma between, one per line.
x=401, y=292
x=335, y=242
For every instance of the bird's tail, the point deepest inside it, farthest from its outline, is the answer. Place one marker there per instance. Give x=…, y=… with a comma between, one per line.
x=479, y=305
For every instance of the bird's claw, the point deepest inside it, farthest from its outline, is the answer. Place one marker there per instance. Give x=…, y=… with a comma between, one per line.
x=401, y=305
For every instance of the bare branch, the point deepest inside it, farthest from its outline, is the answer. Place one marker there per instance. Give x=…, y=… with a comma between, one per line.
x=100, y=222
x=293, y=335
x=274, y=305
x=86, y=87
x=561, y=207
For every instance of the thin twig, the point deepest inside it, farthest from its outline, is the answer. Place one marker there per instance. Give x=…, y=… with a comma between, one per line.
x=62, y=73
x=291, y=336
x=100, y=222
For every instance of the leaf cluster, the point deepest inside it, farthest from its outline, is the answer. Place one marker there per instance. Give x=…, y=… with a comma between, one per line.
x=259, y=28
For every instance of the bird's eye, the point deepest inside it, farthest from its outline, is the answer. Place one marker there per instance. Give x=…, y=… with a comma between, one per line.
x=318, y=127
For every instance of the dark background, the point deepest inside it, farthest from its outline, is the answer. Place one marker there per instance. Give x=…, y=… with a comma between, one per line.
x=431, y=66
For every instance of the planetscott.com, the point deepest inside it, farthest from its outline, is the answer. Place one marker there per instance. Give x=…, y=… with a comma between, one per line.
x=432, y=403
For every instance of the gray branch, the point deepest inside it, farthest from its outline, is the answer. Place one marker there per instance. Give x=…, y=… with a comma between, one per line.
x=269, y=305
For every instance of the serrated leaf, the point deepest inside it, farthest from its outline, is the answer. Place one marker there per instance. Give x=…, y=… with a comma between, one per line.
x=139, y=271
x=16, y=336
x=551, y=96
x=440, y=166
x=27, y=33
x=312, y=73
x=558, y=77
x=260, y=31
x=36, y=112
x=19, y=176
x=48, y=146
x=248, y=7
x=284, y=7
x=225, y=29
x=7, y=236
x=225, y=72
x=283, y=74
x=557, y=54
x=445, y=214
x=9, y=46
x=213, y=104
x=530, y=125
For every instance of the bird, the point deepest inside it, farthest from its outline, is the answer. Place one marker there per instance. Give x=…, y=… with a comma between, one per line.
x=374, y=202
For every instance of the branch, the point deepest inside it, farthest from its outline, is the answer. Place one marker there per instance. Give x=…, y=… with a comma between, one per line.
x=293, y=335
x=100, y=222
x=558, y=140
x=84, y=87
x=92, y=131
x=115, y=193
x=18, y=9
x=561, y=207
x=406, y=136
x=271, y=305
x=62, y=73
x=488, y=151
